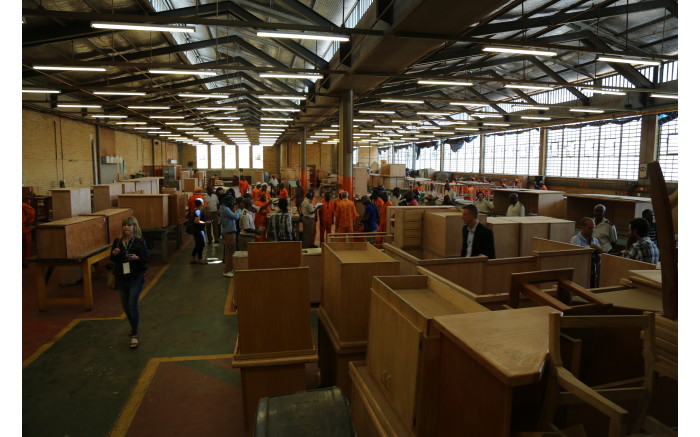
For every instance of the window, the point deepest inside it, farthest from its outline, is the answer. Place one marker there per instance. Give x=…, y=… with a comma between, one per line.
x=202, y=156
x=355, y=156
x=229, y=156
x=465, y=160
x=595, y=150
x=244, y=156
x=668, y=150
x=512, y=153
x=429, y=158
x=257, y=156
x=384, y=154
x=215, y=153
x=404, y=156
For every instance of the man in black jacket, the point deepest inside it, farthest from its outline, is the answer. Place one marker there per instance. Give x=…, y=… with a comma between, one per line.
x=477, y=239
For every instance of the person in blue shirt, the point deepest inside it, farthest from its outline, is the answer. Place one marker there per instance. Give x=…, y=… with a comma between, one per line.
x=371, y=216
x=229, y=215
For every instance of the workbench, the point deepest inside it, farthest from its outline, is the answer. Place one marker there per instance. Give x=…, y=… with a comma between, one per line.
x=84, y=261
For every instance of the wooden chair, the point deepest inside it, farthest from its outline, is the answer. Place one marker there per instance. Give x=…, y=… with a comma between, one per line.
x=602, y=398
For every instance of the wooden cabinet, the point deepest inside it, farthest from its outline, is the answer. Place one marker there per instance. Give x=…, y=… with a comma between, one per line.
x=151, y=210
x=360, y=180
x=113, y=218
x=70, y=202
x=274, y=255
x=177, y=207
x=375, y=180
x=391, y=182
x=540, y=202
x=348, y=269
x=129, y=187
x=406, y=223
x=402, y=349
x=618, y=209
x=106, y=196
x=442, y=232
x=393, y=170
x=506, y=236
x=530, y=227
x=188, y=185
x=70, y=237
x=489, y=371
x=333, y=360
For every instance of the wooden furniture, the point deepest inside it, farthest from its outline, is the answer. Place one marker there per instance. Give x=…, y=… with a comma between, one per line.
x=375, y=180
x=188, y=184
x=144, y=185
x=360, y=180
x=311, y=258
x=618, y=209
x=70, y=237
x=614, y=268
x=333, y=358
x=69, y=202
x=177, y=207
x=274, y=333
x=84, y=261
x=506, y=236
x=540, y=202
x=151, y=210
x=488, y=372
x=393, y=170
x=113, y=218
x=442, y=233
x=402, y=348
x=406, y=223
x=391, y=182
x=129, y=186
x=105, y=196
x=274, y=255
x=321, y=412
x=530, y=227
x=162, y=235
x=556, y=255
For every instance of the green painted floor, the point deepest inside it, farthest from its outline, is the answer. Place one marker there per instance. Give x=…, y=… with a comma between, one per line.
x=79, y=386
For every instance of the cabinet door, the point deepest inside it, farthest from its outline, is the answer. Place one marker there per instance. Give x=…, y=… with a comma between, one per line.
x=393, y=357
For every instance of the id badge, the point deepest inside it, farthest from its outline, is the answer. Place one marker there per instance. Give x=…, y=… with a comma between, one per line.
x=126, y=268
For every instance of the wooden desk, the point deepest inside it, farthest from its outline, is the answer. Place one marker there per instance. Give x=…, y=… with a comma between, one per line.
x=85, y=261
x=541, y=202
x=489, y=365
x=618, y=209
x=162, y=233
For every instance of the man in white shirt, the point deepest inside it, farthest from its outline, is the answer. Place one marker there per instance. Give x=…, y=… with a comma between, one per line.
x=247, y=225
x=213, y=229
x=484, y=206
x=516, y=209
x=604, y=230
x=273, y=184
x=308, y=215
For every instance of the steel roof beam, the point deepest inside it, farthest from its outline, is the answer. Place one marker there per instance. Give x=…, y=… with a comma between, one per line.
x=554, y=75
x=306, y=12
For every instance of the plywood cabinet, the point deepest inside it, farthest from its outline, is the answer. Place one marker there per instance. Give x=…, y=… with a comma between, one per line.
x=406, y=223
x=70, y=237
x=393, y=170
x=541, y=202
x=113, y=218
x=177, y=207
x=360, y=180
x=442, y=232
x=70, y=202
x=188, y=185
x=106, y=196
x=151, y=210
x=506, y=236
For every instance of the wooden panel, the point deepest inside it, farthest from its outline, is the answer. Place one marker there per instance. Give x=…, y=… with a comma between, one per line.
x=579, y=260
x=540, y=202
x=442, y=232
x=128, y=186
x=71, y=237
x=506, y=236
x=177, y=207
x=274, y=255
x=113, y=221
x=497, y=273
x=561, y=230
x=107, y=144
x=332, y=359
x=70, y=202
x=613, y=268
x=144, y=186
x=393, y=170
x=390, y=182
x=151, y=210
x=530, y=227
x=271, y=317
x=469, y=275
x=618, y=209
x=188, y=184
x=314, y=263
x=105, y=196
x=360, y=179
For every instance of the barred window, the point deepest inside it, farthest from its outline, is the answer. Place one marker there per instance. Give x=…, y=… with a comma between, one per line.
x=355, y=156
x=244, y=156
x=668, y=150
x=465, y=160
x=257, y=156
x=384, y=154
x=512, y=153
x=404, y=156
x=429, y=158
x=202, y=156
x=229, y=157
x=215, y=154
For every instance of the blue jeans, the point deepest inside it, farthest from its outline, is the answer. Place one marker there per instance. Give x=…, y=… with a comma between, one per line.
x=129, y=291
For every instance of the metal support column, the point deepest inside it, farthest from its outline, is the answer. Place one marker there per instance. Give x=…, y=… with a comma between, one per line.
x=304, y=173
x=346, y=140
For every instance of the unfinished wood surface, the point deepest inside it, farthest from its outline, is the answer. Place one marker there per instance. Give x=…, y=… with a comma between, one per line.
x=530, y=227
x=652, y=277
x=614, y=268
x=274, y=255
x=497, y=273
x=113, y=221
x=333, y=359
x=348, y=269
x=442, y=232
x=371, y=412
x=511, y=345
x=70, y=237
x=506, y=236
x=392, y=170
x=177, y=207
x=151, y=210
x=105, y=196
x=360, y=180
x=618, y=209
x=188, y=184
x=540, y=202
x=144, y=185
x=69, y=202
x=468, y=274
x=313, y=262
x=634, y=298
x=561, y=230
x=128, y=186
x=555, y=255
x=273, y=310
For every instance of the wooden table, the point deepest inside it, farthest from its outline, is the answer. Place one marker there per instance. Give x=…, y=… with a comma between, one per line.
x=489, y=365
x=162, y=233
x=541, y=202
x=85, y=261
x=618, y=209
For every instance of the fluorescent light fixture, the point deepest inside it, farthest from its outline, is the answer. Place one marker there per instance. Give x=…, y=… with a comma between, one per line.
x=330, y=130
x=41, y=91
x=268, y=96
x=276, y=119
x=148, y=27
x=131, y=122
x=444, y=133
x=305, y=35
x=272, y=125
x=412, y=102
x=444, y=82
x=224, y=118
x=370, y=111
x=220, y=108
x=228, y=124
x=383, y=126
x=496, y=124
x=108, y=116
x=665, y=96
x=439, y=114
x=119, y=93
x=372, y=130
x=539, y=108
x=66, y=105
x=190, y=132
x=263, y=129
x=531, y=117
x=235, y=129
x=205, y=96
x=168, y=116
x=475, y=105
x=145, y=128
x=194, y=72
x=148, y=107
x=310, y=76
x=363, y=120
x=610, y=92
x=406, y=121
x=528, y=87
x=424, y=136
x=487, y=115
x=467, y=128
x=279, y=109
x=67, y=68
x=154, y=132
x=519, y=51
x=189, y=128
x=180, y=124
x=627, y=60
x=361, y=135
x=592, y=111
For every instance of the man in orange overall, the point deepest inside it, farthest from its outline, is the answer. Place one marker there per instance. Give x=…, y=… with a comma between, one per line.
x=196, y=195
x=260, y=220
x=383, y=211
x=326, y=212
x=28, y=216
x=255, y=192
x=283, y=193
x=346, y=215
x=243, y=186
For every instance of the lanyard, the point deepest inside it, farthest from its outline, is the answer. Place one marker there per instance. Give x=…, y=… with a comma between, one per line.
x=126, y=248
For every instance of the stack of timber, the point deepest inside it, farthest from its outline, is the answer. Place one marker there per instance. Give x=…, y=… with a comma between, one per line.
x=394, y=393
x=275, y=340
x=70, y=202
x=113, y=218
x=348, y=269
x=105, y=196
x=70, y=237
x=151, y=210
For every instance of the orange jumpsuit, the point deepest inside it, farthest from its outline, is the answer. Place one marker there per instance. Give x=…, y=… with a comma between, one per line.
x=243, y=186
x=260, y=220
x=28, y=216
x=346, y=216
x=284, y=194
x=327, y=211
x=190, y=202
x=470, y=192
x=382, y=218
x=255, y=192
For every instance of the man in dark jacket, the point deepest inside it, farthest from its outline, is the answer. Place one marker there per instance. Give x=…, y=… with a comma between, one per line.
x=477, y=239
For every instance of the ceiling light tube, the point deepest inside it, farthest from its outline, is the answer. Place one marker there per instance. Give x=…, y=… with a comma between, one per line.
x=496, y=124
x=180, y=124
x=119, y=93
x=67, y=68
x=228, y=124
x=615, y=59
x=305, y=35
x=412, y=102
x=279, y=109
x=200, y=72
x=531, y=117
x=131, y=122
x=370, y=111
x=439, y=114
x=487, y=115
x=108, y=116
x=148, y=107
x=144, y=128
x=665, y=96
x=592, y=111
x=444, y=82
x=429, y=128
x=276, y=119
x=66, y=105
x=147, y=27
x=167, y=116
x=610, y=92
x=220, y=108
x=493, y=49
x=272, y=125
x=528, y=87
x=467, y=128
x=539, y=108
x=41, y=91
x=425, y=136
x=205, y=96
x=268, y=96
x=223, y=118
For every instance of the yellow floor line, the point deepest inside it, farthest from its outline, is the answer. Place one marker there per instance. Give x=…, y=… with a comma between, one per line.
x=121, y=426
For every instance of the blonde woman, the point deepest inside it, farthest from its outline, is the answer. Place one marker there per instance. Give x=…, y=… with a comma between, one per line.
x=130, y=256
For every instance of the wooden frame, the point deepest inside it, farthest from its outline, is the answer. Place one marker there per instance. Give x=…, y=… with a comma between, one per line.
x=106, y=196
x=113, y=221
x=442, y=232
x=614, y=268
x=618, y=209
x=274, y=254
x=333, y=359
x=151, y=210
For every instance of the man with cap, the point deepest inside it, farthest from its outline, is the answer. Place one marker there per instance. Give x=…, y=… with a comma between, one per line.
x=196, y=195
